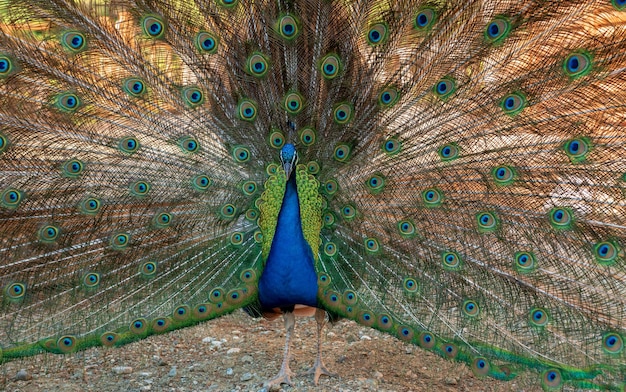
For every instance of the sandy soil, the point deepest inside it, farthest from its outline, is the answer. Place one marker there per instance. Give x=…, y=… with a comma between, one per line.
x=238, y=353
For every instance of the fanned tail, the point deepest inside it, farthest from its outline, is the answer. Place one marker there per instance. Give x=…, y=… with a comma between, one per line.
x=470, y=156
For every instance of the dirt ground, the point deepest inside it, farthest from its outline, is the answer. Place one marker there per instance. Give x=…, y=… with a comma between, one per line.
x=238, y=353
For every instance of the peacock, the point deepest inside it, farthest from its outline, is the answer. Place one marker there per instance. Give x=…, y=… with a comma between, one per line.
x=452, y=173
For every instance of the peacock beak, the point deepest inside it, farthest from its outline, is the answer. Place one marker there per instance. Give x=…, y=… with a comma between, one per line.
x=288, y=167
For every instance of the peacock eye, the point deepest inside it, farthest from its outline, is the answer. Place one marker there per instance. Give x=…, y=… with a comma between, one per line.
x=342, y=113
x=577, y=64
x=330, y=66
x=153, y=26
x=307, y=136
x=192, y=96
x=377, y=34
x=128, y=145
x=497, y=30
x=388, y=97
x=67, y=102
x=241, y=154
x=206, y=42
x=257, y=65
x=444, y=88
x=293, y=103
x=74, y=41
x=342, y=152
x=288, y=27
x=247, y=110
x=7, y=66
x=425, y=19
x=449, y=152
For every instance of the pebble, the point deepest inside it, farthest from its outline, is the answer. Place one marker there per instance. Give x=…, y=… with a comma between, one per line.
x=122, y=370
x=233, y=350
x=451, y=381
x=246, y=377
x=365, y=337
x=247, y=359
x=172, y=372
x=158, y=361
x=23, y=375
x=229, y=371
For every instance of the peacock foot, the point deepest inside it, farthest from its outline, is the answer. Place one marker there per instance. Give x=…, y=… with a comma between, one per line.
x=283, y=377
x=318, y=369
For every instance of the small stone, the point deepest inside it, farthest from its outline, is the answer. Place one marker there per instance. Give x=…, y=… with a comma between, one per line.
x=451, y=381
x=229, y=362
x=122, y=370
x=23, y=375
x=331, y=334
x=158, y=361
x=236, y=332
x=172, y=372
x=229, y=371
x=146, y=388
x=145, y=374
x=233, y=350
x=216, y=343
x=246, y=377
x=378, y=375
x=365, y=337
x=247, y=359
x=208, y=339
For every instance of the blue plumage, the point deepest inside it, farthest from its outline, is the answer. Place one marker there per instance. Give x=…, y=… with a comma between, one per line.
x=289, y=277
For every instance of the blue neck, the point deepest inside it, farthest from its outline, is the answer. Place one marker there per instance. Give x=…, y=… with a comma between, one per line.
x=289, y=276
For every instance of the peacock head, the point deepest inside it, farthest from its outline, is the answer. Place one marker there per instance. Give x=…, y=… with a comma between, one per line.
x=288, y=158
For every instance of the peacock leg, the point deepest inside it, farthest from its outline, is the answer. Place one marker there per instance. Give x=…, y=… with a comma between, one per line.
x=319, y=368
x=284, y=376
